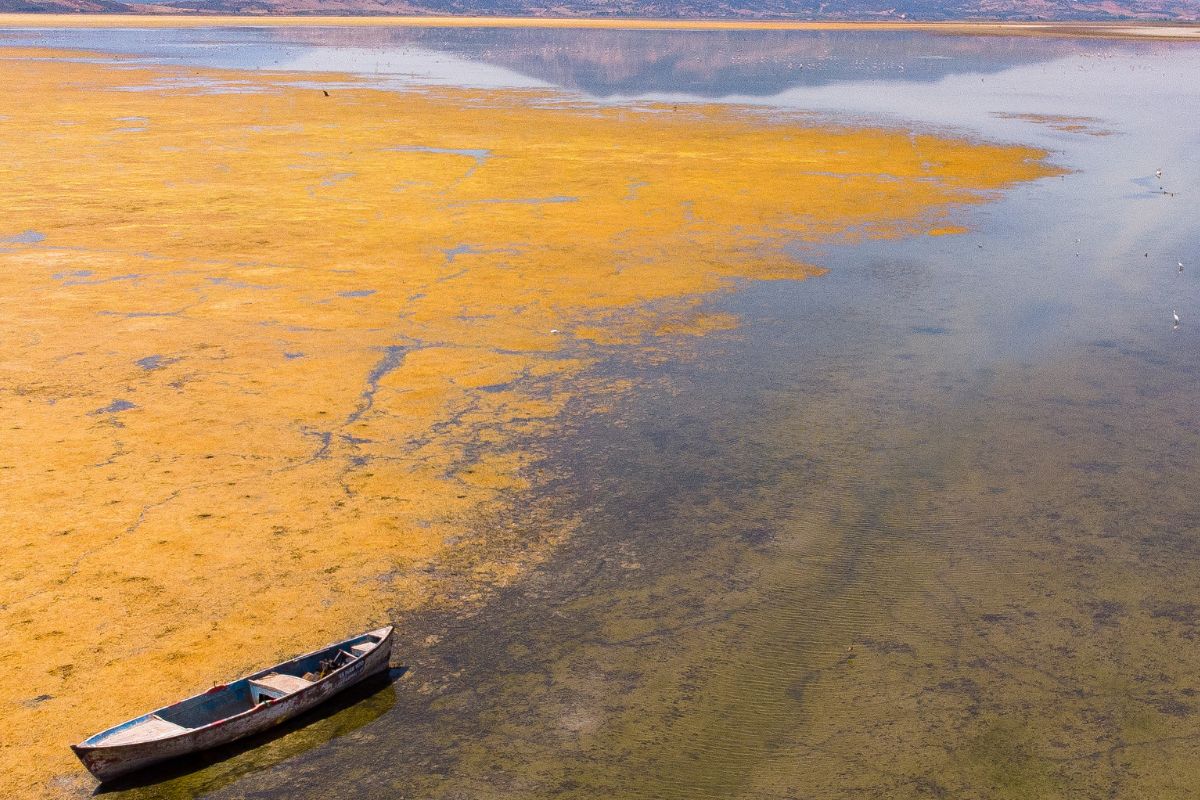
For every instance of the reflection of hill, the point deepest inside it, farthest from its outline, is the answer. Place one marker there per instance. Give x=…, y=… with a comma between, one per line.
x=697, y=9
x=708, y=63
x=762, y=9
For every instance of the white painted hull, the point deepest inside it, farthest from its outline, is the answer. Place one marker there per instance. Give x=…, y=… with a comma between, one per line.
x=114, y=760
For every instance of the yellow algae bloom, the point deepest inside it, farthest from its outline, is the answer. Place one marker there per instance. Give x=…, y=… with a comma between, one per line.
x=268, y=355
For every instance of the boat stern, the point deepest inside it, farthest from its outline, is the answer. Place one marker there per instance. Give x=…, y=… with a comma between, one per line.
x=105, y=766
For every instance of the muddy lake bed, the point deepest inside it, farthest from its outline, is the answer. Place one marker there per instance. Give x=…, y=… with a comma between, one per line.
x=869, y=471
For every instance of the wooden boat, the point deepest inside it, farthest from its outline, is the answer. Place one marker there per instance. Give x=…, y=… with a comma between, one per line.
x=241, y=708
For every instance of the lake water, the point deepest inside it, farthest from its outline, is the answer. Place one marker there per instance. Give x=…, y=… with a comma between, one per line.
x=925, y=526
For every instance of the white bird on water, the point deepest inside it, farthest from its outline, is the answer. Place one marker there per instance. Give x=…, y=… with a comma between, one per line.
x=1158, y=173
x=1175, y=314
x=1180, y=266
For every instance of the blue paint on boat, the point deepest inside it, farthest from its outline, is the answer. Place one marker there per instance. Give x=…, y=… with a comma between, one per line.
x=222, y=702
x=99, y=737
x=238, y=709
x=198, y=711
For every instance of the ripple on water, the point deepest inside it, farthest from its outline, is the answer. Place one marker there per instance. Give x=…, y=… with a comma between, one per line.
x=878, y=621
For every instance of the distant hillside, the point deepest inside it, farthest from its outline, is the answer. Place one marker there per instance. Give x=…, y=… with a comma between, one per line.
x=1179, y=10
x=63, y=6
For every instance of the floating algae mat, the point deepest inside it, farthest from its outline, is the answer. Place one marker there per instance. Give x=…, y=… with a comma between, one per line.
x=539, y=378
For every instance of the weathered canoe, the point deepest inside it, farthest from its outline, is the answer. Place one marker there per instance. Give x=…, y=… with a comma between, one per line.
x=241, y=708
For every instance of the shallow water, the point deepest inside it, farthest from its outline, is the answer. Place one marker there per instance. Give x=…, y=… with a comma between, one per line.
x=922, y=527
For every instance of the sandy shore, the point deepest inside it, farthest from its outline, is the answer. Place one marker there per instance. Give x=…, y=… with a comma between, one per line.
x=1121, y=30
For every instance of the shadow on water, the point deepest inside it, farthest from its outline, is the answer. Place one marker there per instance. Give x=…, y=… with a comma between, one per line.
x=213, y=769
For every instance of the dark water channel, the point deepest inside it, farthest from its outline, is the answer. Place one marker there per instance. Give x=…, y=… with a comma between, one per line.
x=926, y=526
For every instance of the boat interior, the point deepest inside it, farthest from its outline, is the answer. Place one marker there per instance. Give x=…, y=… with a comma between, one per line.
x=241, y=695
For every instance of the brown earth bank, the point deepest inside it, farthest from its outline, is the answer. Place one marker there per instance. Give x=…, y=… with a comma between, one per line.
x=860, y=10
x=143, y=16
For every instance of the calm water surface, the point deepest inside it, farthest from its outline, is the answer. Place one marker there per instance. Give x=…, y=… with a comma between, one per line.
x=924, y=527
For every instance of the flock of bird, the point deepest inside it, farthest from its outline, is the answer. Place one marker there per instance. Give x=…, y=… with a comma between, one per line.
x=1174, y=312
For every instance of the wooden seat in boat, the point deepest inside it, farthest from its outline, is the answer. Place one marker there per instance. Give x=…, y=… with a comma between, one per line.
x=277, y=684
x=153, y=727
x=362, y=649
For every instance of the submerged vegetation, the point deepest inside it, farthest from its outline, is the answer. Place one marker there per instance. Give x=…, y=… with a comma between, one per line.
x=273, y=345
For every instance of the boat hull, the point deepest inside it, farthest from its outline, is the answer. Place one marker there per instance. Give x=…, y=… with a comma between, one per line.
x=107, y=762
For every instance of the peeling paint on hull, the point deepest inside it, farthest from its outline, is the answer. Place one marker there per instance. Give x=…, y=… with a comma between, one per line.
x=113, y=761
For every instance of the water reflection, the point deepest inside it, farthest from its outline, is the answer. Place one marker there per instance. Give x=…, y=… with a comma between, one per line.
x=598, y=63
x=920, y=528
x=868, y=576
x=923, y=527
